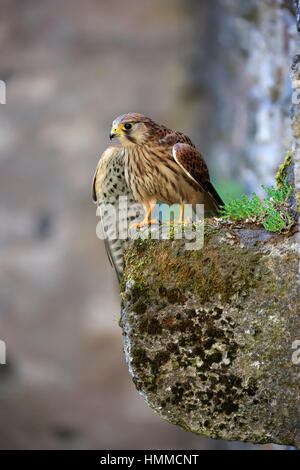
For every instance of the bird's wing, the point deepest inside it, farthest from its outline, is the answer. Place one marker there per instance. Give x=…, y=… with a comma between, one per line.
x=193, y=164
x=94, y=193
x=113, y=246
x=172, y=137
x=108, y=185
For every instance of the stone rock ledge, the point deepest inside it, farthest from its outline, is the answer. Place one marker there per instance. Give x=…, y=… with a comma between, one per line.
x=208, y=333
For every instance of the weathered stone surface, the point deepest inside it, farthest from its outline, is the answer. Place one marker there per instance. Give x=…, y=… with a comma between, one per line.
x=208, y=333
x=296, y=127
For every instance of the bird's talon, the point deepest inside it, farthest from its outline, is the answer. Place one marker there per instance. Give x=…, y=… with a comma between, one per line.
x=153, y=222
x=144, y=223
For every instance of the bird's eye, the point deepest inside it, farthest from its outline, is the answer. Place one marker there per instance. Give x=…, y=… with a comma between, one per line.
x=127, y=126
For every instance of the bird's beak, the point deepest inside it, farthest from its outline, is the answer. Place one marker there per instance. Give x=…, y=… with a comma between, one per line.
x=114, y=133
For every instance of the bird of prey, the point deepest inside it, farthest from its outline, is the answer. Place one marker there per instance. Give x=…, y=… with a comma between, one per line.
x=162, y=165
x=109, y=186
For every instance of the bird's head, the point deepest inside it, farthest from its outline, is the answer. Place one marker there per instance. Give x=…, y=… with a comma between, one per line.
x=132, y=129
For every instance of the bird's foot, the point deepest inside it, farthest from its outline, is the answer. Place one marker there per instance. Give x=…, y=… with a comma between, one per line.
x=144, y=223
x=188, y=220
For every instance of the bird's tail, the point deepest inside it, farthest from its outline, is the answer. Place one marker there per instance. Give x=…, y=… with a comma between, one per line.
x=213, y=202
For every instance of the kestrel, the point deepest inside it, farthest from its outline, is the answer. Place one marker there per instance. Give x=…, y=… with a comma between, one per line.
x=108, y=186
x=162, y=165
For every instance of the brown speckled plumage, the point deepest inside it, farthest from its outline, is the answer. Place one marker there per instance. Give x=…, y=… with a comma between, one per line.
x=108, y=185
x=162, y=164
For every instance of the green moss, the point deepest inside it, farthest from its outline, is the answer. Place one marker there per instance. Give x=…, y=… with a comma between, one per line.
x=192, y=345
x=232, y=273
x=282, y=170
x=213, y=273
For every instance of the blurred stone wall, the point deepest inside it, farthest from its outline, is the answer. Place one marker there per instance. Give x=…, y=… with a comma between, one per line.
x=240, y=75
x=70, y=68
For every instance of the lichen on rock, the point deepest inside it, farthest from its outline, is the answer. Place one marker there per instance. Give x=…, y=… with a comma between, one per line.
x=208, y=333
